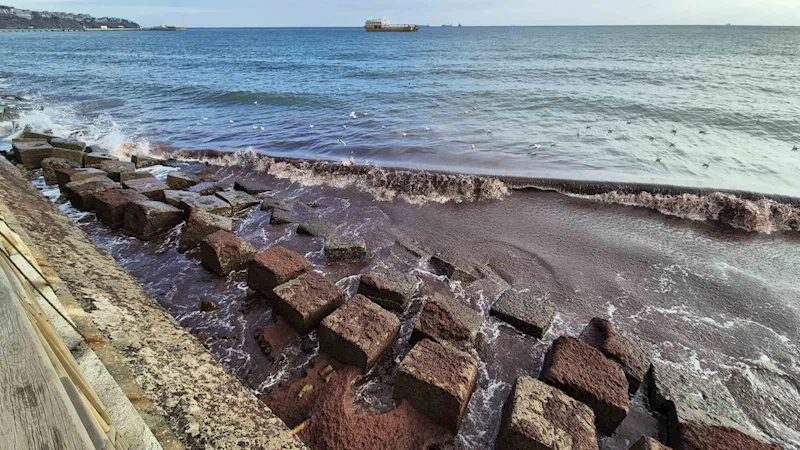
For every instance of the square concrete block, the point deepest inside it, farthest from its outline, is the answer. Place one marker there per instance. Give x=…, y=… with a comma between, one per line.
x=317, y=228
x=115, y=167
x=358, y=333
x=438, y=380
x=127, y=176
x=586, y=375
x=149, y=187
x=251, y=187
x=148, y=219
x=81, y=193
x=181, y=181
x=209, y=203
x=306, y=300
x=145, y=161
x=453, y=270
x=64, y=153
x=271, y=268
x=30, y=153
x=445, y=319
x=206, y=188
x=38, y=136
x=64, y=175
x=538, y=416
x=281, y=216
x=634, y=355
x=69, y=144
x=110, y=205
x=525, y=313
x=648, y=443
x=223, y=252
x=199, y=225
x=49, y=166
x=392, y=290
x=174, y=198
x=345, y=248
x=95, y=159
x=238, y=200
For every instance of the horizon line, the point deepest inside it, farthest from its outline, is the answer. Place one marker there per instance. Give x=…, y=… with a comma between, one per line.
x=495, y=26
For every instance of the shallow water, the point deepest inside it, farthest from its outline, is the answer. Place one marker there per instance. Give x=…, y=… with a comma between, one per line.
x=423, y=100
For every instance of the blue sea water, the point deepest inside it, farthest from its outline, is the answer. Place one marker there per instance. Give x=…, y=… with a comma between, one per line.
x=592, y=103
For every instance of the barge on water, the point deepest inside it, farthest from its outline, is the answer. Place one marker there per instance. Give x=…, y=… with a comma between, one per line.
x=385, y=25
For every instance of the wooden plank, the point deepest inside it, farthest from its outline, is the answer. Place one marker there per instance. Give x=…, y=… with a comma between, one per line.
x=35, y=410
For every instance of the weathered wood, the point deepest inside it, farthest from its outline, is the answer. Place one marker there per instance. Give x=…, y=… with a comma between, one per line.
x=35, y=410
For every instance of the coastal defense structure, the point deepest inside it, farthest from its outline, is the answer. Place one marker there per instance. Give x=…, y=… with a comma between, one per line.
x=385, y=25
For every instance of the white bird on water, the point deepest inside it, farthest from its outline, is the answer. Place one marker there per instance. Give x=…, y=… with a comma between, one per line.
x=344, y=126
x=230, y=121
x=255, y=102
x=342, y=142
x=405, y=134
x=311, y=126
x=473, y=146
x=262, y=128
x=353, y=115
x=427, y=128
x=205, y=118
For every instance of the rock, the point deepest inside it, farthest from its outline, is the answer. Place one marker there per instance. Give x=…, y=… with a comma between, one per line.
x=696, y=436
x=71, y=155
x=66, y=175
x=30, y=153
x=648, y=443
x=275, y=338
x=174, y=198
x=445, y=319
x=358, y=333
x=223, y=252
x=586, y=375
x=81, y=193
x=95, y=159
x=181, y=181
x=304, y=301
x=206, y=188
x=238, y=200
x=126, y=176
x=539, y=416
x=69, y=144
x=149, y=187
x=199, y=225
x=49, y=166
x=345, y=248
x=631, y=353
x=251, y=187
x=452, y=270
x=438, y=380
x=317, y=228
x=269, y=204
x=208, y=306
x=145, y=161
x=527, y=314
x=110, y=205
x=208, y=203
x=28, y=134
x=274, y=267
x=390, y=290
x=148, y=219
x=281, y=217
x=115, y=167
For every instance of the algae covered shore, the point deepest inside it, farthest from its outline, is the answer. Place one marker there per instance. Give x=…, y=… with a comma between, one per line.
x=688, y=328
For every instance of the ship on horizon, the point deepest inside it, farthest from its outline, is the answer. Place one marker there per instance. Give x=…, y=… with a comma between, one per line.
x=385, y=25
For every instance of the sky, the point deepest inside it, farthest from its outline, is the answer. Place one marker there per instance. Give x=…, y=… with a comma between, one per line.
x=297, y=13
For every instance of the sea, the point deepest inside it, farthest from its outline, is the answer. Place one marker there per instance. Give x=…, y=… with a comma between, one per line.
x=701, y=106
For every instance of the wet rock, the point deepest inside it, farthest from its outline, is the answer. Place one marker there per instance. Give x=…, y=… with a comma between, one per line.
x=317, y=228
x=208, y=306
x=631, y=353
x=307, y=344
x=251, y=187
x=71, y=155
x=586, y=375
x=145, y=161
x=148, y=219
x=208, y=203
x=413, y=248
x=358, y=333
x=648, y=443
x=274, y=267
x=527, y=314
x=30, y=153
x=270, y=204
x=174, y=198
x=110, y=205
x=281, y=217
x=697, y=436
x=445, y=319
x=49, y=166
x=28, y=134
x=238, y=200
x=453, y=271
x=390, y=290
x=223, y=252
x=304, y=301
x=127, y=176
x=206, y=188
x=69, y=144
x=181, y=181
x=275, y=338
x=81, y=193
x=539, y=416
x=149, y=187
x=95, y=159
x=66, y=175
x=438, y=380
x=115, y=167
x=345, y=248
x=199, y=225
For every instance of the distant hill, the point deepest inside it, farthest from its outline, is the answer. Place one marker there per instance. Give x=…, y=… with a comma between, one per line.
x=11, y=17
